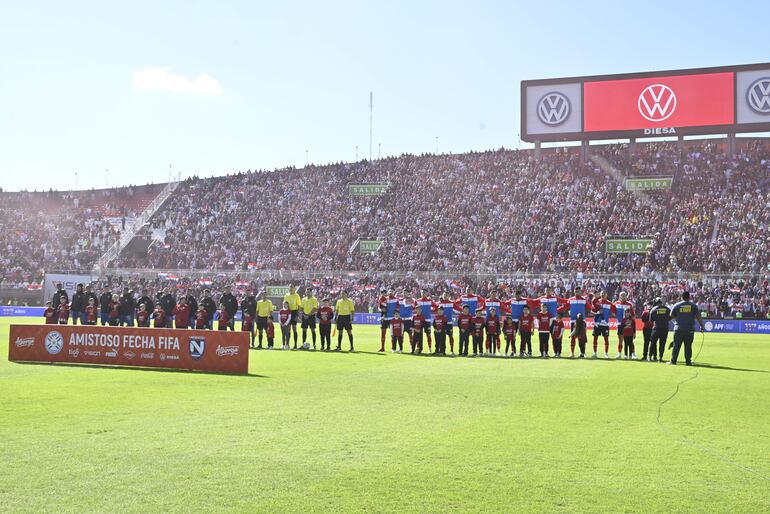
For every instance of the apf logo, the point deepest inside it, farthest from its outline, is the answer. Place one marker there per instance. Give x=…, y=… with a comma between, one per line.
x=657, y=102
x=758, y=96
x=54, y=342
x=197, y=347
x=553, y=109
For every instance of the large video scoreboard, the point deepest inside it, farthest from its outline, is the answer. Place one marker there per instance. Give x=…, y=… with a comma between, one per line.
x=727, y=99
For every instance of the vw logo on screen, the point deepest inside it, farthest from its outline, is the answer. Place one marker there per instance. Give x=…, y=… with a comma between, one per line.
x=758, y=96
x=553, y=109
x=657, y=102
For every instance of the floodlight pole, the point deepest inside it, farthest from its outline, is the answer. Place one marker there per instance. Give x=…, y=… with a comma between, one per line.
x=371, y=111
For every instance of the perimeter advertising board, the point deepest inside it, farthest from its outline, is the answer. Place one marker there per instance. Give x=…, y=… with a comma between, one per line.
x=204, y=350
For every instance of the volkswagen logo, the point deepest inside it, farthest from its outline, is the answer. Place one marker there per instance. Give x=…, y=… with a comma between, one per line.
x=657, y=102
x=553, y=109
x=758, y=96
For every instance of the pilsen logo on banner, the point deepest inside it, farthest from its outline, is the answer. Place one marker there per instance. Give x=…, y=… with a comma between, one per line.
x=222, y=351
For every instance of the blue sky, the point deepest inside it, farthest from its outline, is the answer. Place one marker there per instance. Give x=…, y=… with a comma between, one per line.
x=90, y=86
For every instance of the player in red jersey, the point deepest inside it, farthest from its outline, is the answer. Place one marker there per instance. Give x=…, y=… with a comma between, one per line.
x=325, y=317
x=91, y=312
x=284, y=318
x=526, y=326
x=248, y=326
x=628, y=329
x=492, y=326
x=181, y=314
x=50, y=314
x=477, y=325
x=382, y=305
x=224, y=318
x=509, y=331
x=418, y=327
x=544, y=322
x=619, y=308
x=557, y=331
x=63, y=311
x=201, y=318
x=142, y=317
x=270, y=332
x=464, y=323
x=160, y=317
x=396, y=333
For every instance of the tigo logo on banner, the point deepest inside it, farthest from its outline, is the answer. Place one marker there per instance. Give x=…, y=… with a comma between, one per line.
x=657, y=102
x=197, y=347
x=553, y=109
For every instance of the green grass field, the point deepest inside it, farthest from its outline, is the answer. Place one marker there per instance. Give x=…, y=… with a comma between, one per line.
x=367, y=432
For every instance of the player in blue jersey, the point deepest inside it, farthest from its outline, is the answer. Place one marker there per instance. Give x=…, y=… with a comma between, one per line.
x=602, y=310
x=578, y=305
x=619, y=308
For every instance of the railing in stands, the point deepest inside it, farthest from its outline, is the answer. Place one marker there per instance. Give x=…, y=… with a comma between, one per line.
x=128, y=234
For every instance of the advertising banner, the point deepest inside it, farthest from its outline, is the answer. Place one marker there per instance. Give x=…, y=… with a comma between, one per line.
x=68, y=282
x=368, y=189
x=648, y=183
x=276, y=291
x=653, y=102
x=203, y=350
x=618, y=245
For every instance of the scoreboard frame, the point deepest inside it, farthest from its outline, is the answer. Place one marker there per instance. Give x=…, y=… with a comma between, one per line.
x=582, y=135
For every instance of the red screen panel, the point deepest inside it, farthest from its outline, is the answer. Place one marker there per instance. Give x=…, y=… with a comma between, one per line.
x=654, y=102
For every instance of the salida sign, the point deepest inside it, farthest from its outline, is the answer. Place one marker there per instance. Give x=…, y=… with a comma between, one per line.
x=203, y=350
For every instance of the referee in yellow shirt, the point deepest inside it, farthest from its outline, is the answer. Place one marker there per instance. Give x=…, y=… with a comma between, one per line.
x=309, y=308
x=344, y=310
x=294, y=301
x=264, y=310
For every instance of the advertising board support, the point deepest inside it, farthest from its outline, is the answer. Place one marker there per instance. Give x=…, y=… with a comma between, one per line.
x=632, y=146
x=537, y=150
x=731, y=144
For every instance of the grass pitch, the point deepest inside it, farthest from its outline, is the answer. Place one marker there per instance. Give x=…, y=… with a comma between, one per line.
x=367, y=432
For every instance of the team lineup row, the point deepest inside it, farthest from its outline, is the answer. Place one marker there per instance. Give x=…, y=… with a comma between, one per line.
x=479, y=320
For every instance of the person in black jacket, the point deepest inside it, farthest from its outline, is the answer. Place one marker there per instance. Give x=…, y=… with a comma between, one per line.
x=147, y=301
x=167, y=303
x=659, y=315
x=104, y=302
x=207, y=302
x=127, y=308
x=249, y=305
x=90, y=294
x=60, y=292
x=78, y=305
x=231, y=306
x=193, y=303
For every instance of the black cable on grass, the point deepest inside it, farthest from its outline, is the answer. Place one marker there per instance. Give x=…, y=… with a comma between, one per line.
x=697, y=446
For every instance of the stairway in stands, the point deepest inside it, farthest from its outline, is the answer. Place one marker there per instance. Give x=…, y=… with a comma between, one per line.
x=131, y=230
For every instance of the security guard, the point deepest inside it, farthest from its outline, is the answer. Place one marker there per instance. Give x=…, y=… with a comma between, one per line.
x=344, y=310
x=309, y=308
x=684, y=315
x=660, y=316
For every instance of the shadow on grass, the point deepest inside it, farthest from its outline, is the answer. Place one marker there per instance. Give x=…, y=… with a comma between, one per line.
x=139, y=368
x=728, y=368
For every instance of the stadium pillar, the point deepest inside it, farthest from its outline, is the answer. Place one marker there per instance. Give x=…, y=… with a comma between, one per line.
x=731, y=145
x=632, y=146
x=537, y=150
x=584, y=151
x=679, y=143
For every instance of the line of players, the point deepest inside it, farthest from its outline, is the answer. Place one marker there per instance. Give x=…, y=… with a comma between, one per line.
x=483, y=321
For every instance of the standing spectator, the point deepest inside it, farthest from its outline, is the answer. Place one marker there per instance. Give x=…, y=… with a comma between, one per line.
x=78, y=306
x=231, y=306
